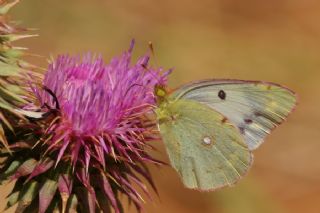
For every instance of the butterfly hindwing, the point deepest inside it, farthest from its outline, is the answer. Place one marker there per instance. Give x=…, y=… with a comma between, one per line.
x=203, y=146
x=254, y=107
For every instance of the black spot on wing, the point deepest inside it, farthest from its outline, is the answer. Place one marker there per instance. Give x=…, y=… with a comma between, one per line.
x=248, y=121
x=222, y=95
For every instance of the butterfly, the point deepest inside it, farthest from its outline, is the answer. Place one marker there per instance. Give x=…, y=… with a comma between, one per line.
x=211, y=127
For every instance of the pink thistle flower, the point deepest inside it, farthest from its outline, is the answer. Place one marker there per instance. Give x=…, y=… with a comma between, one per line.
x=96, y=124
x=101, y=106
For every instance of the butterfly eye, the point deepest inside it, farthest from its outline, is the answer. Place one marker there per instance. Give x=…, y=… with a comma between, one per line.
x=160, y=91
x=222, y=95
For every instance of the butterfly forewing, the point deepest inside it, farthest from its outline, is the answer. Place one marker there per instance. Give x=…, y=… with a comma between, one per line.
x=254, y=107
x=203, y=146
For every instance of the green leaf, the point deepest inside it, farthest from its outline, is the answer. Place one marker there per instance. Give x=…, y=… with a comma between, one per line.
x=12, y=53
x=10, y=170
x=12, y=199
x=10, y=70
x=26, y=168
x=28, y=193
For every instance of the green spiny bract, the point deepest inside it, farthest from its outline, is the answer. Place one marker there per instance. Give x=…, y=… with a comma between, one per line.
x=14, y=73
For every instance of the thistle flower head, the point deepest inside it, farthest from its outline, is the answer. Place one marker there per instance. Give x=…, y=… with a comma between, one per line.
x=96, y=121
x=102, y=108
x=97, y=98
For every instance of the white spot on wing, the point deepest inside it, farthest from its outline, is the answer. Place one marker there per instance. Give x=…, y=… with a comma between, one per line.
x=206, y=140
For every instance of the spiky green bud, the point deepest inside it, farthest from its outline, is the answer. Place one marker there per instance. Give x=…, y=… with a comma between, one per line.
x=13, y=72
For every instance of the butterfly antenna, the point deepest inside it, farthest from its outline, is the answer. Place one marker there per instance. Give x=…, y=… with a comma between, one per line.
x=132, y=43
x=153, y=54
x=156, y=60
x=145, y=66
x=133, y=85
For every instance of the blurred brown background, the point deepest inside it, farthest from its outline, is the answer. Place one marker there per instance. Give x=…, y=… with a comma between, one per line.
x=274, y=40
